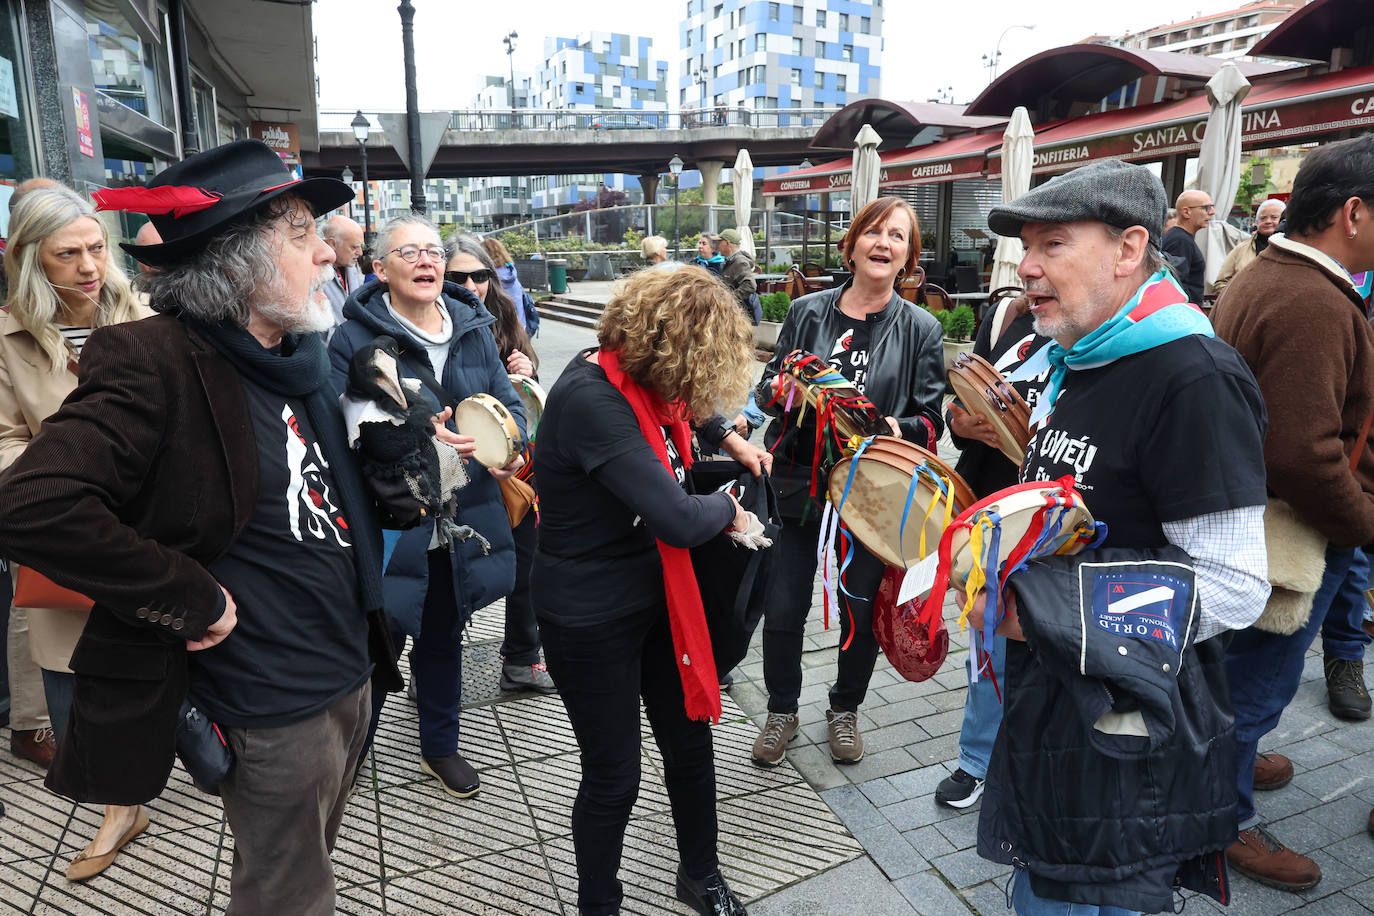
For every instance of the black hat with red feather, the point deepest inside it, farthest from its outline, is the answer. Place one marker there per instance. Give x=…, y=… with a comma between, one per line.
x=192, y=201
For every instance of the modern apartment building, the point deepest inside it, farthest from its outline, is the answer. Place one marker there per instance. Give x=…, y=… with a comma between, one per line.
x=601, y=70
x=763, y=55
x=1228, y=34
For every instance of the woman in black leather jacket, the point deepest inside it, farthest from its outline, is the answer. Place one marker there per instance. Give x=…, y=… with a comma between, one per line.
x=890, y=350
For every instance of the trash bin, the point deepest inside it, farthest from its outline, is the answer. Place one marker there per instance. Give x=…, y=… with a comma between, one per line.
x=558, y=275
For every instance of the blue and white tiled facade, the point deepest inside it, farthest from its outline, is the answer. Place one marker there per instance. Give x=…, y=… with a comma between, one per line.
x=789, y=54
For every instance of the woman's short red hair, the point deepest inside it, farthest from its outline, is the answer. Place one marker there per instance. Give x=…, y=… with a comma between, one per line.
x=875, y=213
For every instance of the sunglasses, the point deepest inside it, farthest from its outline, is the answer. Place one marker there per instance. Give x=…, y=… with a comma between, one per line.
x=481, y=275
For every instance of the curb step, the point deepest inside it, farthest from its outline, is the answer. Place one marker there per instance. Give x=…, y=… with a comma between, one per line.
x=580, y=312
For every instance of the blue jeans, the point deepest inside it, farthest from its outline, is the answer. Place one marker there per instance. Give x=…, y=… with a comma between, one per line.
x=1342, y=634
x=1264, y=669
x=1024, y=901
x=982, y=712
x=58, y=687
x=436, y=665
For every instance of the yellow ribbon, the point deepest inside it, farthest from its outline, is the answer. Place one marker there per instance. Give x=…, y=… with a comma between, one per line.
x=977, y=579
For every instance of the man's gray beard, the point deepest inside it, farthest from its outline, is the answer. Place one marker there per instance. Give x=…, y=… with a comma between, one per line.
x=310, y=316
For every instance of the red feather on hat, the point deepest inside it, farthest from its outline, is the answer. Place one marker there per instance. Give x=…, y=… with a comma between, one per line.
x=177, y=200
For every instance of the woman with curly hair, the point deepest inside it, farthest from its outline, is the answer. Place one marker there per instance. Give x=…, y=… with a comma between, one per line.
x=618, y=605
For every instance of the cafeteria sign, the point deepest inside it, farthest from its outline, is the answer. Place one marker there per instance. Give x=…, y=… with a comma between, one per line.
x=282, y=137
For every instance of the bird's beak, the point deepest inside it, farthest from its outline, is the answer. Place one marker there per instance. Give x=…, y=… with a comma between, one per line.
x=389, y=378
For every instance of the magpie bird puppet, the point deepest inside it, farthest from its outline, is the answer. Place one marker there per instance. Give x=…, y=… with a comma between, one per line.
x=390, y=422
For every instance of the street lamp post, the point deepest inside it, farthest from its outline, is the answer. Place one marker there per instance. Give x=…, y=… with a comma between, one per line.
x=509, y=42
x=417, y=166
x=675, y=166
x=806, y=217
x=992, y=61
x=360, y=126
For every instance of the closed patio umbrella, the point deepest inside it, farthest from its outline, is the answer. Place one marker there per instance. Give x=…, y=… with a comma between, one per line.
x=1018, y=157
x=744, y=197
x=1218, y=170
x=863, y=186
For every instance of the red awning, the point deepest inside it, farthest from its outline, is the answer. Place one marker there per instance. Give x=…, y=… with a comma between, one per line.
x=1273, y=113
x=961, y=157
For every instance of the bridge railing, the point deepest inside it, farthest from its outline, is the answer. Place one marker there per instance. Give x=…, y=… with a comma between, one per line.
x=542, y=119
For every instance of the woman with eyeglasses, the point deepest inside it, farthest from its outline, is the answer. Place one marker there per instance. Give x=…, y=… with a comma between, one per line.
x=430, y=593
x=470, y=266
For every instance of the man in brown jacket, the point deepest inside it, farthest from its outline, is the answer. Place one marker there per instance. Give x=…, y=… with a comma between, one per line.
x=1295, y=316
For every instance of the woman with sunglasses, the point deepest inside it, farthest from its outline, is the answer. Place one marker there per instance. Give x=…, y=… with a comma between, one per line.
x=431, y=593
x=470, y=267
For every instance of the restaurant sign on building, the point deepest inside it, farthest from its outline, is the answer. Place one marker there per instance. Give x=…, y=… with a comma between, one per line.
x=282, y=137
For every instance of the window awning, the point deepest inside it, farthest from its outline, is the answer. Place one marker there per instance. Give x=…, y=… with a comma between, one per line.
x=1273, y=113
x=961, y=157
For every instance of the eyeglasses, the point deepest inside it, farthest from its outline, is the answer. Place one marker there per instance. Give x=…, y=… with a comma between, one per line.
x=1210, y=208
x=411, y=253
x=481, y=275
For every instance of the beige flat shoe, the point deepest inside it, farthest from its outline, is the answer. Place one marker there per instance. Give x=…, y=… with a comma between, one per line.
x=87, y=866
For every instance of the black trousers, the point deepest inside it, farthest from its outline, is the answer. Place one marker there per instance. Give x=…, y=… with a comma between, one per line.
x=521, y=643
x=602, y=672
x=789, y=603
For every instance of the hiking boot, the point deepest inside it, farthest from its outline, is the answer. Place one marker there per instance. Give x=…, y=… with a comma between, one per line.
x=527, y=677
x=846, y=744
x=35, y=745
x=710, y=896
x=456, y=776
x=1256, y=854
x=770, y=747
x=1272, y=771
x=959, y=789
x=1346, y=695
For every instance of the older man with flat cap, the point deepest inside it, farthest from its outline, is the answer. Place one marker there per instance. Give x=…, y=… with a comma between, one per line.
x=227, y=536
x=1101, y=806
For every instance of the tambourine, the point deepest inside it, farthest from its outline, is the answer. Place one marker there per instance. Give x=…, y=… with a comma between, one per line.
x=487, y=420
x=897, y=498
x=983, y=392
x=840, y=408
x=1001, y=533
x=533, y=397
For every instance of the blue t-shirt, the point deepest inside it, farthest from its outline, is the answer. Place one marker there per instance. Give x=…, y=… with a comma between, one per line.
x=300, y=644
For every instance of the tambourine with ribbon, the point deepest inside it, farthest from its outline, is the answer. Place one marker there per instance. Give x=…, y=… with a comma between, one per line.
x=1002, y=533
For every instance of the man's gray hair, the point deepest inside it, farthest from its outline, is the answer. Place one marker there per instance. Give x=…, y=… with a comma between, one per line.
x=225, y=279
x=1154, y=260
x=382, y=246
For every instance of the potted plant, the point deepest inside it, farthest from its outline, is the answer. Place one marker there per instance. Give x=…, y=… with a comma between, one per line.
x=775, y=306
x=958, y=325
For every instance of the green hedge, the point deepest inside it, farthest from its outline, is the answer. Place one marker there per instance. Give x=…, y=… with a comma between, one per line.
x=775, y=305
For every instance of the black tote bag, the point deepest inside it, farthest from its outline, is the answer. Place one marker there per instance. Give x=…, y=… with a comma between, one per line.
x=734, y=579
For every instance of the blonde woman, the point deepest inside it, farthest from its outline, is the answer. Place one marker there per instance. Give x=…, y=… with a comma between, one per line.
x=62, y=285
x=614, y=592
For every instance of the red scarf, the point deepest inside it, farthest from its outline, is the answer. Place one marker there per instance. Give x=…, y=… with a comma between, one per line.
x=696, y=664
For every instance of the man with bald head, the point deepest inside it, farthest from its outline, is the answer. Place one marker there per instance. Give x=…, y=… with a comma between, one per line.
x=1195, y=211
x=147, y=235
x=1267, y=218
x=346, y=238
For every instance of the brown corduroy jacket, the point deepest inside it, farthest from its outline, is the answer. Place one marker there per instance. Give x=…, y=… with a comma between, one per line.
x=1301, y=326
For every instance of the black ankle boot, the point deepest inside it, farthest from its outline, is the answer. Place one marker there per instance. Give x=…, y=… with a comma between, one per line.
x=709, y=896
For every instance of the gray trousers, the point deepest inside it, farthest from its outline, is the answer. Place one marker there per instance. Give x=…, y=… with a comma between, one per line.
x=284, y=801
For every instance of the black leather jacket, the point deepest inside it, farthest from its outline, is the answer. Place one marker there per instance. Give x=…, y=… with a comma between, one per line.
x=906, y=372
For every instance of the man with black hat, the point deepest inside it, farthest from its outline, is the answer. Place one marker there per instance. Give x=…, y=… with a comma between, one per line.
x=1161, y=427
x=226, y=535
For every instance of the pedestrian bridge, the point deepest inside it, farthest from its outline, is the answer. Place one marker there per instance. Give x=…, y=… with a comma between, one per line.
x=570, y=142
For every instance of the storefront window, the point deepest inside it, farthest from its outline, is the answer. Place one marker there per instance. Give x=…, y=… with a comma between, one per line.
x=124, y=65
x=126, y=165
x=16, y=154
x=207, y=125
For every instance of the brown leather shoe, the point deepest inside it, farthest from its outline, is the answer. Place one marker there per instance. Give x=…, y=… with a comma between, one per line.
x=36, y=745
x=1272, y=771
x=1257, y=854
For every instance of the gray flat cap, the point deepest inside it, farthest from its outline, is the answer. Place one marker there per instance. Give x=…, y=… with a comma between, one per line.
x=1110, y=191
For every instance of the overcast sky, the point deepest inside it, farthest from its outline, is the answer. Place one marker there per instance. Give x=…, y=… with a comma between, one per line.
x=929, y=44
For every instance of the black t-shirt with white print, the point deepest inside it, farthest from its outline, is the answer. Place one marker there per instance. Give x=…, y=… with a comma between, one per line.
x=849, y=350
x=1158, y=436
x=300, y=644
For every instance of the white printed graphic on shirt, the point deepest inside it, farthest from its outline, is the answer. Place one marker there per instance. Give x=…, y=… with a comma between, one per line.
x=307, y=488
x=843, y=354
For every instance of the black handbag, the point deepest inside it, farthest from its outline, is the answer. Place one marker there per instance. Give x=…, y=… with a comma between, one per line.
x=202, y=749
x=734, y=579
